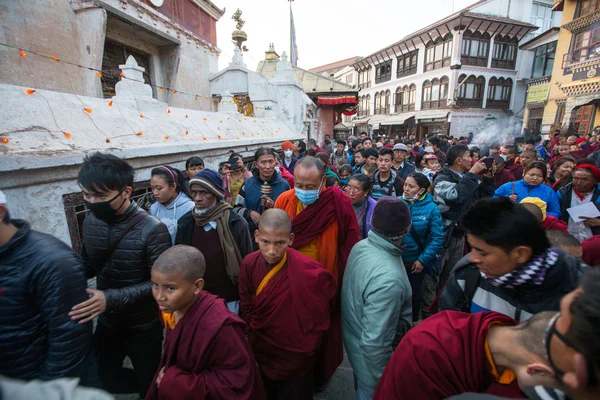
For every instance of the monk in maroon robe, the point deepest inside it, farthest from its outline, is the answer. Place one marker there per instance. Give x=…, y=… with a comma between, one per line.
x=452, y=353
x=326, y=229
x=206, y=354
x=285, y=300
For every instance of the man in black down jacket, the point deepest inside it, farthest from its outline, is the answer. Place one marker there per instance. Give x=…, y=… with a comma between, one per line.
x=512, y=268
x=128, y=323
x=40, y=280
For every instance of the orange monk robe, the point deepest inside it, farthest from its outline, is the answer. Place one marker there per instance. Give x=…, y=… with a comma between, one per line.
x=325, y=231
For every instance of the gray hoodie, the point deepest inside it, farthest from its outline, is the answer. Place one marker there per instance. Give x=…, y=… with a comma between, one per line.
x=169, y=215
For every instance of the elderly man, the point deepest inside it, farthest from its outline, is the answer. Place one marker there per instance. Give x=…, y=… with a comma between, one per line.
x=584, y=189
x=219, y=233
x=325, y=229
x=41, y=279
x=400, y=162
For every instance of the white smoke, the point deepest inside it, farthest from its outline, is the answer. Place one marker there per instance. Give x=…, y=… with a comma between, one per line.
x=497, y=131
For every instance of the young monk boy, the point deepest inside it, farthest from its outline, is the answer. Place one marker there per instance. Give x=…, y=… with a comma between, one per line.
x=206, y=354
x=285, y=300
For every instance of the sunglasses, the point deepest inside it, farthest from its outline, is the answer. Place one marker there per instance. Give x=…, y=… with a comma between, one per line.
x=550, y=331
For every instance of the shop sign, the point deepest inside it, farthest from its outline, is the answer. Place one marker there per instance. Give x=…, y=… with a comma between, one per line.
x=538, y=93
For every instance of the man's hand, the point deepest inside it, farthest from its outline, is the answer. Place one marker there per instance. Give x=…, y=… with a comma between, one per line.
x=417, y=267
x=591, y=222
x=89, y=309
x=255, y=217
x=267, y=203
x=161, y=373
x=478, y=167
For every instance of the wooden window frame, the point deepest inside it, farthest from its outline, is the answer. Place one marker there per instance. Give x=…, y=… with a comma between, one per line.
x=504, y=88
x=383, y=72
x=478, y=84
x=432, y=101
x=504, y=55
x=405, y=64
x=483, y=41
x=586, y=7
x=431, y=61
x=546, y=53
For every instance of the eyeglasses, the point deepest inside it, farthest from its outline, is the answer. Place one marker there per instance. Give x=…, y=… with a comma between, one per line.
x=551, y=330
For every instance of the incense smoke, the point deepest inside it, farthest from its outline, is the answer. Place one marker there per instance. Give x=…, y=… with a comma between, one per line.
x=498, y=131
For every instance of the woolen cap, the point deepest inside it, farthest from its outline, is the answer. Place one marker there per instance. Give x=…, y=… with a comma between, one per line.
x=400, y=146
x=210, y=180
x=391, y=218
x=287, y=145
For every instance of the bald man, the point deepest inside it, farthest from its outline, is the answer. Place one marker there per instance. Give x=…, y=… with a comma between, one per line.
x=325, y=229
x=285, y=299
x=205, y=350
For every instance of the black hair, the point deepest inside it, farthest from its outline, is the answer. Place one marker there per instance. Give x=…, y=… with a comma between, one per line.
x=302, y=145
x=418, y=158
x=530, y=141
x=386, y=152
x=346, y=168
x=310, y=152
x=324, y=157
x=331, y=181
x=434, y=141
x=561, y=161
x=172, y=176
x=511, y=148
x=582, y=161
x=498, y=160
x=193, y=162
x=474, y=149
x=367, y=139
x=341, y=142
x=537, y=165
x=311, y=142
x=455, y=152
x=421, y=180
x=584, y=328
x=504, y=224
x=355, y=143
x=520, y=139
x=559, y=238
x=103, y=172
x=364, y=181
x=327, y=141
x=262, y=151
x=371, y=153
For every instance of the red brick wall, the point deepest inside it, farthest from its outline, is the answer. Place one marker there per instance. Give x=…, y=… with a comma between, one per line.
x=191, y=17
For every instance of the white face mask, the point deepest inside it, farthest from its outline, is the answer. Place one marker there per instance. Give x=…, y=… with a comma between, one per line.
x=288, y=153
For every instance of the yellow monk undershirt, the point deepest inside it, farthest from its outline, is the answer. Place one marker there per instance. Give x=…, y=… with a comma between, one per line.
x=271, y=274
x=311, y=249
x=507, y=376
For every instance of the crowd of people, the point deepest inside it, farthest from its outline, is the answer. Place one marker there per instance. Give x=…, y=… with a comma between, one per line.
x=442, y=267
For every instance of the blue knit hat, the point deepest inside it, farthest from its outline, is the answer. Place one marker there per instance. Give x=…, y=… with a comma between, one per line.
x=211, y=180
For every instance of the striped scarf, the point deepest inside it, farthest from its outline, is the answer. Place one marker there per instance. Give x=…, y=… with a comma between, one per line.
x=532, y=273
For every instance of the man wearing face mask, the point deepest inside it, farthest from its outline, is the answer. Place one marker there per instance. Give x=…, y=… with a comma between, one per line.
x=120, y=244
x=288, y=161
x=326, y=229
x=509, y=154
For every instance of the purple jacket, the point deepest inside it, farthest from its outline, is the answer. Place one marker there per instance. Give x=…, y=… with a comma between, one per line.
x=363, y=214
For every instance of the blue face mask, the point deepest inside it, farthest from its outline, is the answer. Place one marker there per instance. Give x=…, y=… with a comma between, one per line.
x=308, y=197
x=344, y=181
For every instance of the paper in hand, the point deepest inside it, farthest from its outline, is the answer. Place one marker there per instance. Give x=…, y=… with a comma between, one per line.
x=583, y=210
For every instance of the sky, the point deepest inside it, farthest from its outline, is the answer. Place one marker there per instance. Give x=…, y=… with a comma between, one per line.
x=326, y=30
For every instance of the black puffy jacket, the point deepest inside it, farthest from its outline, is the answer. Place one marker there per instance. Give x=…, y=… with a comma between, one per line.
x=41, y=279
x=125, y=279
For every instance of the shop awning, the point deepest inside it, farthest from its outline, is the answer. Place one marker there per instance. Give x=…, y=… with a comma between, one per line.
x=361, y=121
x=335, y=100
x=432, y=114
x=341, y=127
x=376, y=119
x=397, y=119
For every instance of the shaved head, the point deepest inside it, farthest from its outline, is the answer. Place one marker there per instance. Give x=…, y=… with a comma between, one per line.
x=308, y=162
x=186, y=259
x=276, y=219
x=535, y=210
x=531, y=332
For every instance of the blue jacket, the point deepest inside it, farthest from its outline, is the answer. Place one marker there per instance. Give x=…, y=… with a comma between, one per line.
x=523, y=189
x=248, y=199
x=427, y=222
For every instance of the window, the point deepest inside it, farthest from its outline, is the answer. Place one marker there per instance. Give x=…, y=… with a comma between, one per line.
x=387, y=102
x=470, y=91
x=363, y=106
x=505, y=52
x=377, y=103
x=405, y=98
x=588, y=6
x=349, y=78
x=438, y=53
x=115, y=54
x=541, y=16
x=382, y=102
x=407, y=64
x=586, y=46
x=364, y=78
x=499, y=91
x=583, y=119
x=544, y=60
x=435, y=93
x=383, y=72
x=475, y=49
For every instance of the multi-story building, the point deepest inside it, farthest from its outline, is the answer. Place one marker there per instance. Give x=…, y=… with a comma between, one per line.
x=573, y=91
x=453, y=76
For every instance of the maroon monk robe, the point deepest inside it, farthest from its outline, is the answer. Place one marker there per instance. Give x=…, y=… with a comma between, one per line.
x=332, y=205
x=441, y=357
x=288, y=319
x=207, y=356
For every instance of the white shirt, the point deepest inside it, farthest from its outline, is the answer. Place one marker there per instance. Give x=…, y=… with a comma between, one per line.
x=578, y=229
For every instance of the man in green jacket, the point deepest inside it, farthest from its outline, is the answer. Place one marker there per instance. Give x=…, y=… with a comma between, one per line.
x=376, y=295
